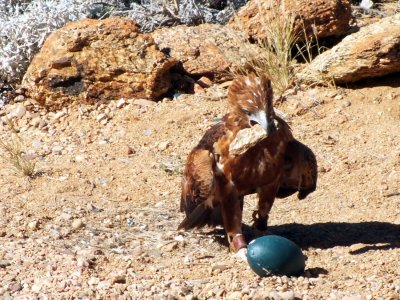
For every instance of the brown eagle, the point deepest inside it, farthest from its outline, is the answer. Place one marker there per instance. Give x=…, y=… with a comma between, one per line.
x=215, y=180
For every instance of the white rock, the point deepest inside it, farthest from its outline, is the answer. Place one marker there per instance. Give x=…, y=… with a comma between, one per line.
x=366, y=4
x=58, y=115
x=19, y=98
x=57, y=149
x=105, y=284
x=77, y=223
x=80, y=158
x=121, y=102
x=33, y=225
x=19, y=111
x=36, y=143
x=93, y=281
x=163, y=146
x=246, y=138
x=234, y=295
x=36, y=288
x=289, y=295
x=101, y=117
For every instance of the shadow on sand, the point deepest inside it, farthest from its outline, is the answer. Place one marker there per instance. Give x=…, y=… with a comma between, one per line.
x=376, y=235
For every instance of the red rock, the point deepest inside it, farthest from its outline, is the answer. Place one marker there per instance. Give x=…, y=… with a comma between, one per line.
x=373, y=51
x=322, y=18
x=93, y=60
x=210, y=50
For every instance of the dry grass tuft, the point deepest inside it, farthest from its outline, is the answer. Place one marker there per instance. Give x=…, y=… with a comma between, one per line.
x=276, y=57
x=15, y=153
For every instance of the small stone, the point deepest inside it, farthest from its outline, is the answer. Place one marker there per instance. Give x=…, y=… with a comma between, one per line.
x=42, y=124
x=346, y=103
x=7, y=296
x=289, y=295
x=366, y=4
x=57, y=149
x=170, y=247
x=36, y=143
x=77, y=223
x=65, y=216
x=342, y=119
x=163, y=145
x=19, y=111
x=80, y=158
x=34, y=225
x=274, y=295
x=19, y=98
x=93, y=281
x=143, y=102
x=198, y=89
x=15, y=287
x=234, y=295
x=4, y=264
x=357, y=247
x=58, y=115
x=36, y=288
x=120, y=103
x=205, y=82
x=101, y=117
x=108, y=223
x=130, y=150
x=338, y=97
x=105, y=284
x=147, y=132
x=246, y=138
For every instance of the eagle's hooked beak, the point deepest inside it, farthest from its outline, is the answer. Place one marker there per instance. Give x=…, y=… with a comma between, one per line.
x=260, y=117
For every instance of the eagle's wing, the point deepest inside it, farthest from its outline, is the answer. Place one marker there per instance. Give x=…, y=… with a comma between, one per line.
x=198, y=182
x=300, y=171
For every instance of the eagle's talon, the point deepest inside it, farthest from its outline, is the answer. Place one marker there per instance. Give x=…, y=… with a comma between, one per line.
x=238, y=243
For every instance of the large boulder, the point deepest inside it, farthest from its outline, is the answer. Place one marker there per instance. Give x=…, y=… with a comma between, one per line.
x=320, y=18
x=373, y=51
x=211, y=50
x=92, y=60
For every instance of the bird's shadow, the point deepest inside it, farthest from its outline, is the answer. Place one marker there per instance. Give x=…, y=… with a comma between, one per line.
x=370, y=235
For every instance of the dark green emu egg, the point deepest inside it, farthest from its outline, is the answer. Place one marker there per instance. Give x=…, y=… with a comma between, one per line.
x=275, y=255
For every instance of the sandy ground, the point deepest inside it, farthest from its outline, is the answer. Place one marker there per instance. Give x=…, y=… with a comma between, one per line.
x=99, y=219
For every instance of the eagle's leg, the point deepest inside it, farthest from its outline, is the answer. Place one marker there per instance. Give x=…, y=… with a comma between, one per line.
x=231, y=209
x=266, y=198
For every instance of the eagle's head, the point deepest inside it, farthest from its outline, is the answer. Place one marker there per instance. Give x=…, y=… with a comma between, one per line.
x=250, y=97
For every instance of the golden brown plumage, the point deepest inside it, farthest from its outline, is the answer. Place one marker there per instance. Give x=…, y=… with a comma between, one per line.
x=215, y=182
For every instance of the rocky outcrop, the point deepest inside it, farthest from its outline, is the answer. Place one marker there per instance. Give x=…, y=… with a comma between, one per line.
x=373, y=51
x=91, y=60
x=322, y=18
x=208, y=49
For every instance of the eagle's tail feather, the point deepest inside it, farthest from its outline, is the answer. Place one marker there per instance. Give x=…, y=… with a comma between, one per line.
x=201, y=216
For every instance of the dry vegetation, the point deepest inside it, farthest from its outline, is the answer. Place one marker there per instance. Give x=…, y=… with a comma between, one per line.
x=15, y=153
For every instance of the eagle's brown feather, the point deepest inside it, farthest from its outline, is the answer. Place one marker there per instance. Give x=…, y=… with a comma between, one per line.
x=300, y=171
x=215, y=181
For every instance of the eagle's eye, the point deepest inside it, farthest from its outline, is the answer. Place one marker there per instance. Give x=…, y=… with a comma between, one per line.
x=247, y=112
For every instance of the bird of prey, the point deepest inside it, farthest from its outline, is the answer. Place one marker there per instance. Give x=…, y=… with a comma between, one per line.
x=216, y=180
